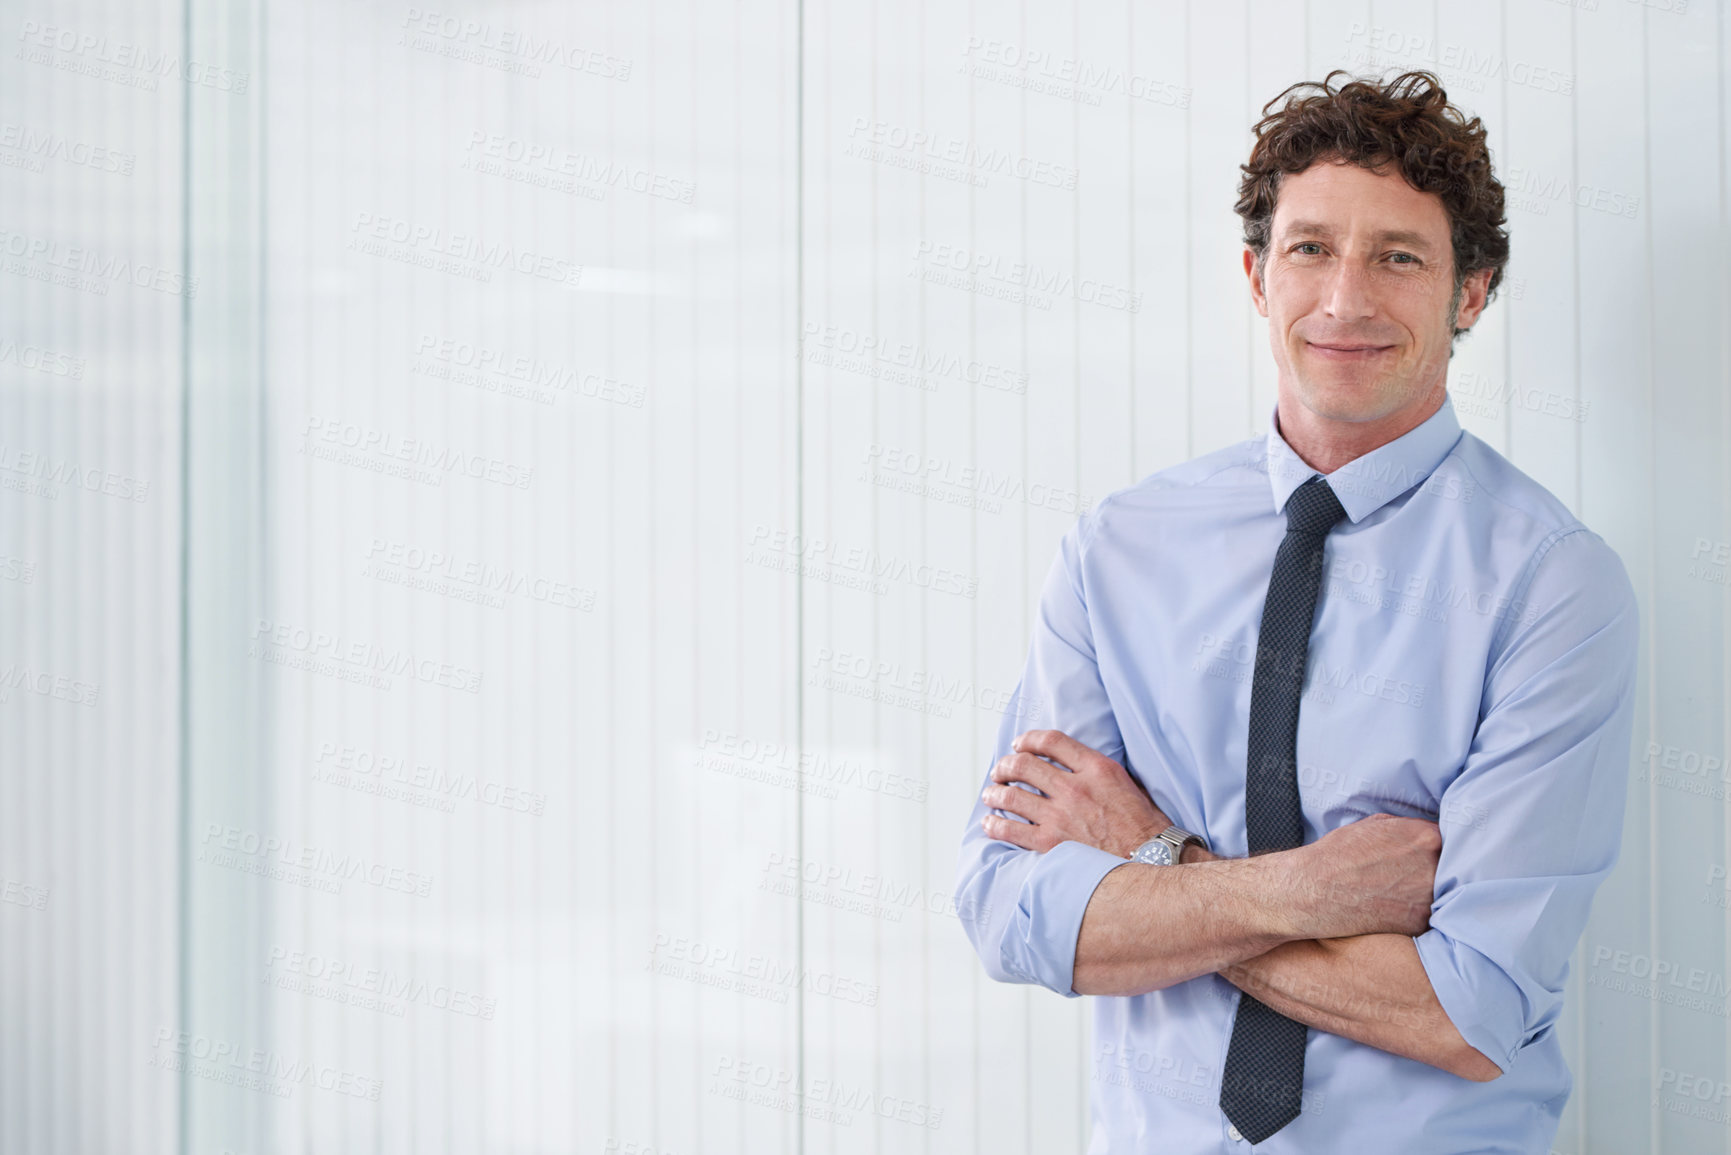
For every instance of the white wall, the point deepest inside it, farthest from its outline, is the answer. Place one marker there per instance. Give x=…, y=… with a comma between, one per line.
x=91, y=365
x=577, y=808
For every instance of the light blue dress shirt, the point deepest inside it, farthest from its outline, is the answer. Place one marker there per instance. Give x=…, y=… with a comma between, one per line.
x=1472, y=662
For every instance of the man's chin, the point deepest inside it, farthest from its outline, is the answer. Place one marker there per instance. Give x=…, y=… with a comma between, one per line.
x=1333, y=402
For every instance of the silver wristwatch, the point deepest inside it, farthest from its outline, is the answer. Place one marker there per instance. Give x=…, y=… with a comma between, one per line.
x=1164, y=848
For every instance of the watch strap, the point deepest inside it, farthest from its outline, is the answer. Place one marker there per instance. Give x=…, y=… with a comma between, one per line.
x=1176, y=836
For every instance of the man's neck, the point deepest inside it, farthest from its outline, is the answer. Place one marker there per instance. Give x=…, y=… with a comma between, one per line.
x=1326, y=445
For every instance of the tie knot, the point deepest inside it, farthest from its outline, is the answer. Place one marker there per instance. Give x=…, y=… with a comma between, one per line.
x=1313, y=509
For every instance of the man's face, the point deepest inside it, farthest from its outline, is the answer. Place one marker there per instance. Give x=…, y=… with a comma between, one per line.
x=1356, y=287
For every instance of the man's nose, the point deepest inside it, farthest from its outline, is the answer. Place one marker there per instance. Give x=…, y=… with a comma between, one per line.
x=1351, y=292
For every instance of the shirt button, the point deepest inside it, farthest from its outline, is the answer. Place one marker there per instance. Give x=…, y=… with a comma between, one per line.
x=1232, y=1130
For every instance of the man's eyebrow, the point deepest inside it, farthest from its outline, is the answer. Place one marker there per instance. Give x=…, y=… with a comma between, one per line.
x=1395, y=236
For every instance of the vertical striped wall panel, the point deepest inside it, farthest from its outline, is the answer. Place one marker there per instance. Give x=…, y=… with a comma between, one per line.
x=92, y=298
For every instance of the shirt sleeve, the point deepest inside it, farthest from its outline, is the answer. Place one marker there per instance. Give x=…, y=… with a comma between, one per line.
x=1023, y=910
x=1533, y=822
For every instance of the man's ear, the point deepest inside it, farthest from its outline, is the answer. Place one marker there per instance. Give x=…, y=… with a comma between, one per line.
x=1257, y=296
x=1474, y=296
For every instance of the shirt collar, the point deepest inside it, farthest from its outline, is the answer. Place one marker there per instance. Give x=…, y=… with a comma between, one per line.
x=1367, y=483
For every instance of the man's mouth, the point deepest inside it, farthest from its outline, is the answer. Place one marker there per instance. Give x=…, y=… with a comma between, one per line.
x=1347, y=352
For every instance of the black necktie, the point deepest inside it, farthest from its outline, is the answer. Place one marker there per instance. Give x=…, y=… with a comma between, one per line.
x=1260, y=1090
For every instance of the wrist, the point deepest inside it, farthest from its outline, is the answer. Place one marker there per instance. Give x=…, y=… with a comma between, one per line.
x=1142, y=837
x=1294, y=891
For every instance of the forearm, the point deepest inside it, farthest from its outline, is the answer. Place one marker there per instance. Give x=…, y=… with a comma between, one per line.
x=1230, y=910
x=1370, y=988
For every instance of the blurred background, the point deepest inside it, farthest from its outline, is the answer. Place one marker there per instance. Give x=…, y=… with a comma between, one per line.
x=519, y=521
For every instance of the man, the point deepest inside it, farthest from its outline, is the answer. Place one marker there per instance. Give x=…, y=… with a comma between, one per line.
x=1356, y=697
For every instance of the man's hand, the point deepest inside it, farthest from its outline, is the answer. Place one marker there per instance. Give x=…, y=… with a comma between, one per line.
x=1086, y=798
x=1373, y=876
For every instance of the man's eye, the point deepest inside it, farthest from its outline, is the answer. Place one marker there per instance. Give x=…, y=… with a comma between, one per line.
x=1307, y=245
x=1409, y=257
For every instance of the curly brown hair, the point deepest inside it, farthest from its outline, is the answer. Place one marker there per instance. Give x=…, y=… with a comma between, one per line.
x=1408, y=121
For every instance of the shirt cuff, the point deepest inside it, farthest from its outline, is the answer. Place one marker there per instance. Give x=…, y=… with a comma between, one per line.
x=1475, y=994
x=1039, y=945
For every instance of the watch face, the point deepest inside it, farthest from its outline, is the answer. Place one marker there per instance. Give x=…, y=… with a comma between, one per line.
x=1158, y=853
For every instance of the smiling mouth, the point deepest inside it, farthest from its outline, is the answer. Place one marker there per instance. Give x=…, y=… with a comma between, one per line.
x=1348, y=351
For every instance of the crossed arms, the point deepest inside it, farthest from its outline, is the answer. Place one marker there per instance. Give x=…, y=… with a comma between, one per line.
x=1322, y=934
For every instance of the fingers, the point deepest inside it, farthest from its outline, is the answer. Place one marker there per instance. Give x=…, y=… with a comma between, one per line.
x=1059, y=747
x=1041, y=775
x=1017, y=833
x=1392, y=830
x=1016, y=800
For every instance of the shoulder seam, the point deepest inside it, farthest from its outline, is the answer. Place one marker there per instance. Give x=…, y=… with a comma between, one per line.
x=1091, y=516
x=1567, y=526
